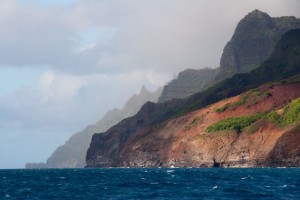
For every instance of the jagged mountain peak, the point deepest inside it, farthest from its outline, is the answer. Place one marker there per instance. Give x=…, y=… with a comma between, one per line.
x=257, y=14
x=253, y=41
x=137, y=99
x=252, y=22
x=143, y=89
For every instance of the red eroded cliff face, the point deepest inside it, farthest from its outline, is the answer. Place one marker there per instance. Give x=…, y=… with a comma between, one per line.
x=185, y=141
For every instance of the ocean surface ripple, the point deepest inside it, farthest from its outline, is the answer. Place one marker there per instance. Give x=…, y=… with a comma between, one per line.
x=217, y=183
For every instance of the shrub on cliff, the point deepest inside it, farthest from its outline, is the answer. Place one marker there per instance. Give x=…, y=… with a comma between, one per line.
x=291, y=113
x=273, y=117
x=234, y=123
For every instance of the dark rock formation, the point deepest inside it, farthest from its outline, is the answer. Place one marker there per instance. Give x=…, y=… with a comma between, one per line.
x=188, y=82
x=72, y=154
x=253, y=41
x=156, y=136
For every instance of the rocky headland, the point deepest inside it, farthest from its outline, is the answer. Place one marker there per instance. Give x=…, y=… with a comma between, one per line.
x=248, y=130
x=186, y=133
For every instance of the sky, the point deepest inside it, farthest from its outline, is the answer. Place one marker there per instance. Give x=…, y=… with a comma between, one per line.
x=65, y=63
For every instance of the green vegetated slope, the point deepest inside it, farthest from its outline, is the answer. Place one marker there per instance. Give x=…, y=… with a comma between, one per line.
x=234, y=123
x=290, y=115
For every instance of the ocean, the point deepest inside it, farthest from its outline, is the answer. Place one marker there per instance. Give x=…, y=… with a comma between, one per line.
x=176, y=183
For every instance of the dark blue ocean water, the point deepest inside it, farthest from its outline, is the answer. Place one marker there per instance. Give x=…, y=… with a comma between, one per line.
x=150, y=184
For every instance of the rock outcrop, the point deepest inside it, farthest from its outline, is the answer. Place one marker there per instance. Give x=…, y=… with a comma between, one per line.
x=156, y=136
x=253, y=41
x=286, y=152
x=73, y=153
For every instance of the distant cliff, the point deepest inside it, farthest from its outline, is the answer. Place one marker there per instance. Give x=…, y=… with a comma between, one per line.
x=178, y=132
x=188, y=82
x=252, y=43
x=73, y=153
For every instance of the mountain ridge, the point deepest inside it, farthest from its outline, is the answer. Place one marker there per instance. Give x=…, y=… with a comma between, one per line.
x=252, y=42
x=187, y=83
x=106, y=148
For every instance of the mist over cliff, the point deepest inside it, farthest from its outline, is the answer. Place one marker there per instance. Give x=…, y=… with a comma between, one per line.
x=73, y=153
x=253, y=41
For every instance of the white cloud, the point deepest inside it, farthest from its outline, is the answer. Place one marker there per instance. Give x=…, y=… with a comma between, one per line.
x=59, y=88
x=47, y=79
x=64, y=100
x=162, y=35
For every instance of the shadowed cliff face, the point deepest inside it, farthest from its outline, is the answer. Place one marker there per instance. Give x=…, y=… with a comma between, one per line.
x=253, y=42
x=155, y=137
